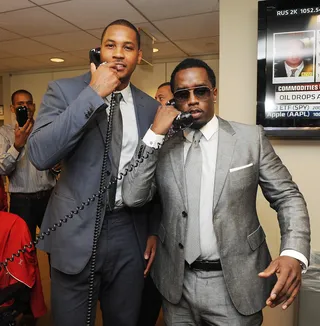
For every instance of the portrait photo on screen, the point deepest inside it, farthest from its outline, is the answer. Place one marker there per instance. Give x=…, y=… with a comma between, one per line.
x=294, y=57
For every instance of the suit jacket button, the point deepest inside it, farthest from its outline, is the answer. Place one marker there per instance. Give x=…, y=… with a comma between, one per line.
x=108, y=173
x=184, y=214
x=180, y=245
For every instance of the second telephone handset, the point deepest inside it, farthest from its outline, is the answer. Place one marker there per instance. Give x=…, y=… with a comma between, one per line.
x=183, y=119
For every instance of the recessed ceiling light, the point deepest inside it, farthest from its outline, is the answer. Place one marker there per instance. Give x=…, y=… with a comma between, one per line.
x=155, y=50
x=58, y=60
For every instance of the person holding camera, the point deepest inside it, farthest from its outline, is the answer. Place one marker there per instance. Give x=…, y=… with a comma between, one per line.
x=29, y=188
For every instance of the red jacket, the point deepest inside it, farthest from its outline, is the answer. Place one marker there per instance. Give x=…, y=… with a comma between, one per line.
x=14, y=234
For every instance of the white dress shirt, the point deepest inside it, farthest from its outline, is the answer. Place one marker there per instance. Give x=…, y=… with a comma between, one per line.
x=129, y=136
x=209, y=147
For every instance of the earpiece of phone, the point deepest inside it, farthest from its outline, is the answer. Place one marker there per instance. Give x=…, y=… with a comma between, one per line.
x=94, y=56
x=182, y=120
x=21, y=115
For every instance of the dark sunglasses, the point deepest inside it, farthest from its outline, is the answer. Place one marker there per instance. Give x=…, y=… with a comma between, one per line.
x=200, y=92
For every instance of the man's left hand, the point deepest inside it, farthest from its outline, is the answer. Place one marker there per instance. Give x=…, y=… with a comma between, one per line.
x=150, y=252
x=288, y=271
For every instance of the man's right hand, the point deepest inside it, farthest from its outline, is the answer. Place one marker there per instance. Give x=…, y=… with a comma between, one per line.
x=104, y=79
x=21, y=134
x=163, y=119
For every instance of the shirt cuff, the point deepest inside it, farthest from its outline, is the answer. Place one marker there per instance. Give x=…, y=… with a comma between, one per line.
x=297, y=255
x=13, y=152
x=153, y=140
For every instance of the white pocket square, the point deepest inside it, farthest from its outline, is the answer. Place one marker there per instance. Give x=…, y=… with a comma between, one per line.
x=241, y=167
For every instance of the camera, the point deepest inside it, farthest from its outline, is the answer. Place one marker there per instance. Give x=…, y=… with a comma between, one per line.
x=21, y=115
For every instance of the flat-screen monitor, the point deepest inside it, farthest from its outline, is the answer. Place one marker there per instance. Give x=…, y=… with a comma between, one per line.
x=288, y=92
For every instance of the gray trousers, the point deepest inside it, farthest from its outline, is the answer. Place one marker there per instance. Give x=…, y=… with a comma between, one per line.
x=118, y=279
x=205, y=301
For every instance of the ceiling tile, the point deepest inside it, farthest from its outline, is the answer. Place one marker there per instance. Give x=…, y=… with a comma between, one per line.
x=153, y=31
x=4, y=54
x=21, y=63
x=72, y=63
x=86, y=16
x=208, y=45
x=7, y=5
x=23, y=47
x=204, y=25
x=3, y=67
x=84, y=54
x=43, y=22
x=70, y=60
x=45, y=58
x=97, y=32
x=164, y=9
x=70, y=41
x=46, y=2
x=30, y=35
x=5, y=35
x=167, y=50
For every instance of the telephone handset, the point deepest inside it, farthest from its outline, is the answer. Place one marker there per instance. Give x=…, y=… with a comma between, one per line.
x=182, y=120
x=94, y=56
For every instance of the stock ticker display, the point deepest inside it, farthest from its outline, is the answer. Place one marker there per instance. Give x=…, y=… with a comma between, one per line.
x=288, y=97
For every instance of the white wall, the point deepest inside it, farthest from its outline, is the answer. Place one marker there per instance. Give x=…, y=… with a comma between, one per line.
x=238, y=44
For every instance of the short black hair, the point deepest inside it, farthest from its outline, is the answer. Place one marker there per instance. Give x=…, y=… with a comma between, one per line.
x=123, y=22
x=19, y=91
x=192, y=63
x=164, y=84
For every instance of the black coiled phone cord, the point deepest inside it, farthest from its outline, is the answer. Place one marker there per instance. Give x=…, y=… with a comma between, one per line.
x=97, y=225
x=81, y=207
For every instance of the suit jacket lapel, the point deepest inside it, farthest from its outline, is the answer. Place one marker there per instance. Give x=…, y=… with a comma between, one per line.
x=102, y=122
x=226, y=144
x=176, y=153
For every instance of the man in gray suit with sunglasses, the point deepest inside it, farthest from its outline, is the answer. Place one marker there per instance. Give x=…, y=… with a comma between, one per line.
x=213, y=266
